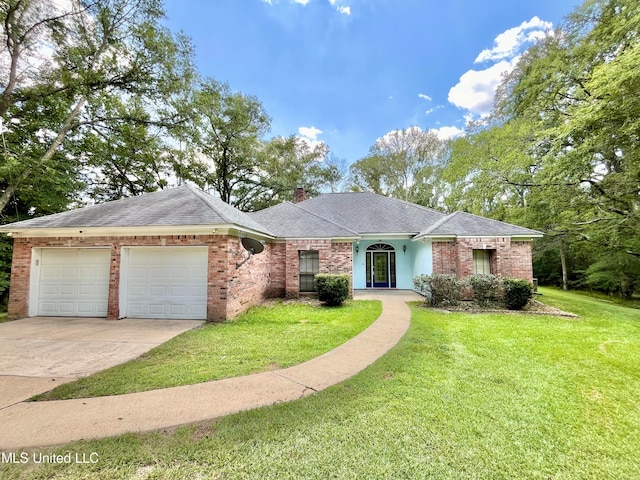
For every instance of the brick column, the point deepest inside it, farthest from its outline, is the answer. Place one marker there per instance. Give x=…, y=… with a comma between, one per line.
x=18, y=306
x=113, y=307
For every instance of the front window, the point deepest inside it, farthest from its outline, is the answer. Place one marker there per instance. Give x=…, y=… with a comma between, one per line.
x=309, y=266
x=482, y=262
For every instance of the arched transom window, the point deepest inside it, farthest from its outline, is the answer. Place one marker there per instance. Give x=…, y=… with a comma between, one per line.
x=380, y=247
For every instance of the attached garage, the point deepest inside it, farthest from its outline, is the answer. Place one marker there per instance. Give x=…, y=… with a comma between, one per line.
x=70, y=282
x=164, y=282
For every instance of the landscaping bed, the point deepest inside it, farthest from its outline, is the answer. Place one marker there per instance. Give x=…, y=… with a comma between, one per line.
x=534, y=307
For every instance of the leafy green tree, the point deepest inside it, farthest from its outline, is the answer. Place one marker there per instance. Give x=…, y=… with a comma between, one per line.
x=225, y=152
x=121, y=157
x=560, y=152
x=404, y=164
x=580, y=86
x=284, y=164
x=94, y=49
x=226, y=133
x=616, y=274
x=490, y=170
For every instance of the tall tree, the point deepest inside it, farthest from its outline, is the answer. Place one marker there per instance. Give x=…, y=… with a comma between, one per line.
x=565, y=136
x=284, y=164
x=93, y=49
x=226, y=133
x=122, y=158
x=404, y=164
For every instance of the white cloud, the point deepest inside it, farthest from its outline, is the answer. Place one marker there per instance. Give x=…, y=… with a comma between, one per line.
x=476, y=89
x=310, y=136
x=509, y=43
x=310, y=132
x=426, y=97
x=445, y=133
x=345, y=10
x=336, y=4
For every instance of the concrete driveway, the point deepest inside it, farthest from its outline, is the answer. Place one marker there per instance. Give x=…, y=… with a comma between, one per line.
x=38, y=353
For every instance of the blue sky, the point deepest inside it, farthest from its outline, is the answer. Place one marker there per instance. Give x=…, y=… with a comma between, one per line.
x=347, y=72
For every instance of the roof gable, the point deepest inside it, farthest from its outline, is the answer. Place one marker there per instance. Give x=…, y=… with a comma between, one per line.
x=178, y=206
x=370, y=213
x=462, y=224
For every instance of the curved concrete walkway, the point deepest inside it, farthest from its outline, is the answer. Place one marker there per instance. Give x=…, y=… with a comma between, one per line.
x=36, y=424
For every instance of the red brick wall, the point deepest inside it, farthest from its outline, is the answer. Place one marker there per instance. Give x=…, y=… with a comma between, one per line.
x=509, y=259
x=334, y=257
x=253, y=281
x=19, y=286
x=230, y=290
x=278, y=254
x=444, y=257
x=519, y=262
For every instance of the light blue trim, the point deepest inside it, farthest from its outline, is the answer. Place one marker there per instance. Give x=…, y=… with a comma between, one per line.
x=416, y=260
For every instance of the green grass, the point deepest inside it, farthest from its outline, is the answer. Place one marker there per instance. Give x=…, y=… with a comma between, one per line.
x=633, y=302
x=3, y=317
x=462, y=396
x=265, y=338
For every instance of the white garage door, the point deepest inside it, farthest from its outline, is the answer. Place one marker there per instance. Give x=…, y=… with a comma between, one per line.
x=166, y=282
x=74, y=282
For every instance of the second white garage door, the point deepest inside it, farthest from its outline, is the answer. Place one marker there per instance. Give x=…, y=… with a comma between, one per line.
x=165, y=282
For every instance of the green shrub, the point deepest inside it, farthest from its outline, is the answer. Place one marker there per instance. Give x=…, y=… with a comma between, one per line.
x=422, y=284
x=439, y=289
x=517, y=293
x=616, y=274
x=486, y=288
x=332, y=289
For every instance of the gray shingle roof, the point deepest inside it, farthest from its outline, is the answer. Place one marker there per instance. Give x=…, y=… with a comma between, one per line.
x=333, y=215
x=289, y=220
x=176, y=206
x=366, y=212
x=467, y=224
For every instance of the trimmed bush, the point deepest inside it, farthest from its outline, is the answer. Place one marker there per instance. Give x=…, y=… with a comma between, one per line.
x=439, y=289
x=486, y=288
x=332, y=289
x=517, y=293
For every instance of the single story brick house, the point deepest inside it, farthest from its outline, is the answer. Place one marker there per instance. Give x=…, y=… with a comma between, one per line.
x=177, y=253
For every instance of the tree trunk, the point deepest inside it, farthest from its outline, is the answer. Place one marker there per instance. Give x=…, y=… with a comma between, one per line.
x=563, y=262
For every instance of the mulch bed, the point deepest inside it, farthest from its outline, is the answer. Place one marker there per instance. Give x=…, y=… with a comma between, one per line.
x=533, y=308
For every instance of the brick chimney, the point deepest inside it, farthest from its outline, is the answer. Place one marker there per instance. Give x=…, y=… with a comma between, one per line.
x=299, y=195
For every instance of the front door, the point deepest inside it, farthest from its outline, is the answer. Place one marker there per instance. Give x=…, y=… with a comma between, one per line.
x=381, y=266
x=381, y=269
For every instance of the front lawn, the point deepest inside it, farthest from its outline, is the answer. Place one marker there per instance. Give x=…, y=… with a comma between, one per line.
x=462, y=396
x=265, y=338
